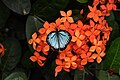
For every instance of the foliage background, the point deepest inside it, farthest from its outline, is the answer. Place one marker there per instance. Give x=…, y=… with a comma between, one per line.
x=19, y=19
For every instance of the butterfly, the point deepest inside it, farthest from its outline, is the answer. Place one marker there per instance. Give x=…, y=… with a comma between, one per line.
x=58, y=40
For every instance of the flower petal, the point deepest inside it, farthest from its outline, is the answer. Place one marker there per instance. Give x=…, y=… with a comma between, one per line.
x=73, y=39
x=70, y=19
x=33, y=58
x=63, y=13
x=69, y=13
x=92, y=48
x=84, y=62
x=58, y=62
x=94, y=56
x=79, y=43
x=99, y=59
x=63, y=19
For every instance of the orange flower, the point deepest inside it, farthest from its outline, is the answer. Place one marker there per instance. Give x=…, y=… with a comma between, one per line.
x=70, y=62
x=111, y=5
x=66, y=16
x=69, y=27
x=60, y=67
x=38, y=58
x=98, y=56
x=105, y=11
x=34, y=40
x=2, y=49
x=96, y=46
x=86, y=58
x=80, y=67
x=78, y=38
x=43, y=47
x=47, y=28
x=94, y=13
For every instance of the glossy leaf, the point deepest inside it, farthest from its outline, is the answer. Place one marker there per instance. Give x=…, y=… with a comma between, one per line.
x=12, y=54
x=4, y=14
x=32, y=25
x=79, y=75
x=48, y=8
x=16, y=76
x=112, y=59
x=82, y=1
x=19, y=6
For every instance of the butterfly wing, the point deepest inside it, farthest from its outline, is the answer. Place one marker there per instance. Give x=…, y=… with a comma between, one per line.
x=58, y=39
x=64, y=39
x=52, y=40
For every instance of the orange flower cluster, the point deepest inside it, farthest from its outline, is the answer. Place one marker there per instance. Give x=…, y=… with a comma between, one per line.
x=2, y=49
x=88, y=40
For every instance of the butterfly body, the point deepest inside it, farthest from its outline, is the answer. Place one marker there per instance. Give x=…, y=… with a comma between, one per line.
x=58, y=40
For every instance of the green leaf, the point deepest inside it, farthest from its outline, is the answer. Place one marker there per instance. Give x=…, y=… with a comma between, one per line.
x=32, y=25
x=4, y=14
x=114, y=77
x=17, y=76
x=115, y=27
x=103, y=75
x=19, y=6
x=115, y=30
x=48, y=9
x=26, y=62
x=111, y=17
x=79, y=75
x=82, y=1
x=12, y=54
x=112, y=59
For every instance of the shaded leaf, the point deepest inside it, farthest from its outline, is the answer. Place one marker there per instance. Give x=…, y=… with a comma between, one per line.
x=17, y=76
x=112, y=59
x=26, y=62
x=111, y=17
x=115, y=27
x=32, y=25
x=48, y=8
x=79, y=75
x=4, y=14
x=104, y=75
x=19, y=6
x=82, y=1
x=115, y=30
x=114, y=77
x=12, y=54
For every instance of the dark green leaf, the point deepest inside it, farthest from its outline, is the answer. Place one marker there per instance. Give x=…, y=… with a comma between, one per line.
x=17, y=76
x=32, y=25
x=114, y=77
x=48, y=8
x=111, y=17
x=82, y=1
x=19, y=6
x=102, y=75
x=79, y=75
x=4, y=14
x=112, y=59
x=26, y=62
x=12, y=54
x=115, y=30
